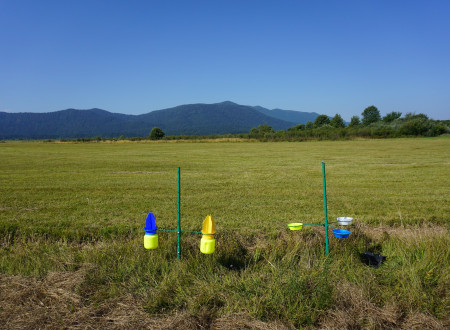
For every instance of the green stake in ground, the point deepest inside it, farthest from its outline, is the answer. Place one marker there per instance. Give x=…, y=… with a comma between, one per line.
x=179, y=217
x=325, y=207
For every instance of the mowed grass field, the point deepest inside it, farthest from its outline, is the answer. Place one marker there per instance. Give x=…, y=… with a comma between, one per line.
x=72, y=218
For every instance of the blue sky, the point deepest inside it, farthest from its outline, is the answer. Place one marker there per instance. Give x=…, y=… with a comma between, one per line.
x=137, y=56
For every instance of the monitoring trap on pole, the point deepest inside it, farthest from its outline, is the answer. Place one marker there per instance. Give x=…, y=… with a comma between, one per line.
x=207, y=242
x=341, y=221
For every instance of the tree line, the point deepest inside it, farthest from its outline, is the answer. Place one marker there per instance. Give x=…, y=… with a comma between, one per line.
x=370, y=124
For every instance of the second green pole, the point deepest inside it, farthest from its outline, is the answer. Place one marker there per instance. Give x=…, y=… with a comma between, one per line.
x=179, y=217
x=325, y=207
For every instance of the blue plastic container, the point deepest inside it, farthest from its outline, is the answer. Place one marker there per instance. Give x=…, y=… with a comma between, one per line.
x=341, y=233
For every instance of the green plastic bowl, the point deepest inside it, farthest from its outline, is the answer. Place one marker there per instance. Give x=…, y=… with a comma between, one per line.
x=295, y=226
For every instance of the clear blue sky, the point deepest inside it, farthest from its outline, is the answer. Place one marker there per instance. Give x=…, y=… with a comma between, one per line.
x=137, y=56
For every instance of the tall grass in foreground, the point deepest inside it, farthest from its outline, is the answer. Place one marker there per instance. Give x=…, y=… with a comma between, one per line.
x=285, y=278
x=66, y=207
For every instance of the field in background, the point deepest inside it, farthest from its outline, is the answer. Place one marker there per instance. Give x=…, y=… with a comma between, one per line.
x=72, y=217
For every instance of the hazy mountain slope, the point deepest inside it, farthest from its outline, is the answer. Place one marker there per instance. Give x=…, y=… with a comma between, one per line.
x=70, y=123
x=191, y=119
x=297, y=117
x=218, y=118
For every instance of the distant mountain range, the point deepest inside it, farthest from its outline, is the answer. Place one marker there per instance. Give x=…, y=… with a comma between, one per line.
x=191, y=119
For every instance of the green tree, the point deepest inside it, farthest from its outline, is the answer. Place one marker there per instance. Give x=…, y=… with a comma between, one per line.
x=156, y=133
x=309, y=124
x=298, y=127
x=390, y=117
x=261, y=130
x=337, y=121
x=370, y=115
x=354, y=121
x=264, y=129
x=321, y=120
x=254, y=131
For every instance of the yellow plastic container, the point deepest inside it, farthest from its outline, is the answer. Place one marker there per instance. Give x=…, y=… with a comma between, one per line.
x=151, y=241
x=295, y=226
x=208, y=243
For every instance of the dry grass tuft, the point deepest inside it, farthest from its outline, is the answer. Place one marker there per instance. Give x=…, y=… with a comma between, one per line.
x=353, y=310
x=52, y=302
x=422, y=321
x=406, y=233
x=244, y=321
x=27, y=302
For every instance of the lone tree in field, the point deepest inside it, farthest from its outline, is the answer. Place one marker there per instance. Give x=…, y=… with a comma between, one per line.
x=156, y=133
x=337, y=121
x=370, y=115
x=321, y=120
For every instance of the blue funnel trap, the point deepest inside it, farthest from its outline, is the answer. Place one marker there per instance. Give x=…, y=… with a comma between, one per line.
x=150, y=225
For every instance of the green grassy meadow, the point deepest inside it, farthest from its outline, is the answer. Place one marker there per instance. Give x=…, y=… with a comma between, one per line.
x=80, y=208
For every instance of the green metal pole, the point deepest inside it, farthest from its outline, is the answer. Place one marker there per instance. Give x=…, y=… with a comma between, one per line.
x=325, y=207
x=179, y=218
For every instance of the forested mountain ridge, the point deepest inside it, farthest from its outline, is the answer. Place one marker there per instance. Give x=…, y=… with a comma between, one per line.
x=191, y=119
x=298, y=117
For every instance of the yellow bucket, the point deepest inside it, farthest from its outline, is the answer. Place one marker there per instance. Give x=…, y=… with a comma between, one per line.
x=207, y=245
x=150, y=241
